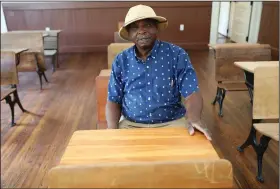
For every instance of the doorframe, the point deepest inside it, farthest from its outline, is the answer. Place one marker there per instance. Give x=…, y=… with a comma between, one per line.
x=214, y=22
x=4, y=28
x=227, y=32
x=256, y=15
x=254, y=23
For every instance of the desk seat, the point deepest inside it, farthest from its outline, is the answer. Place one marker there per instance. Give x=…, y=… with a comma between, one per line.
x=268, y=129
x=6, y=92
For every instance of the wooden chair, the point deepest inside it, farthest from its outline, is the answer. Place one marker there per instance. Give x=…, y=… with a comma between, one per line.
x=51, y=48
x=102, y=81
x=228, y=76
x=265, y=107
x=9, y=76
x=31, y=60
x=114, y=49
x=174, y=174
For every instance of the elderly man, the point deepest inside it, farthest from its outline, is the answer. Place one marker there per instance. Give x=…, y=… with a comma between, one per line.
x=148, y=79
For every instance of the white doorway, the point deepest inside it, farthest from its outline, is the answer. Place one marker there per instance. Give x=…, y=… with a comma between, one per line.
x=3, y=21
x=241, y=20
x=224, y=18
x=238, y=21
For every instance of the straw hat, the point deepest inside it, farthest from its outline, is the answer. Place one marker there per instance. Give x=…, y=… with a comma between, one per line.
x=140, y=12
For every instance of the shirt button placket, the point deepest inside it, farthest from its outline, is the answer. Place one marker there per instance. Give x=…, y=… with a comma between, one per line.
x=149, y=84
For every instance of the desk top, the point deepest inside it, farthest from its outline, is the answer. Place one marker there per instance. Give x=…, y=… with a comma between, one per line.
x=130, y=145
x=251, y=66
x=15, y=50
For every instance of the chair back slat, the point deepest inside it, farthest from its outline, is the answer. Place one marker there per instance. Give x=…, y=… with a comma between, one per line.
x=226, y=54
x=50, y=43
x=114, y=49
x=9, y=73
x=266, y=93
x=31, y=40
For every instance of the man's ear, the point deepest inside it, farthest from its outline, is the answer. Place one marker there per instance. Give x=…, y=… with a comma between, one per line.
x=157, y=30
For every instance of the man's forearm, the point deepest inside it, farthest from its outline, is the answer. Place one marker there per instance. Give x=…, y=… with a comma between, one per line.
x=113, y=114
x=194, y=105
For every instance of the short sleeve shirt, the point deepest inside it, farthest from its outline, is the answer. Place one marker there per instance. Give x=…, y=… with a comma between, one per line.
x=150, y=91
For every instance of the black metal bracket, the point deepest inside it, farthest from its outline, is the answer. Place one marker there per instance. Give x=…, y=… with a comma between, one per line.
x=12, y=103
x=259, y=148
x=220, y=96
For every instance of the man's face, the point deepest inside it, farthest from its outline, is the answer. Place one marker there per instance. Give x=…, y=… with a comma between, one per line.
x=143, y=33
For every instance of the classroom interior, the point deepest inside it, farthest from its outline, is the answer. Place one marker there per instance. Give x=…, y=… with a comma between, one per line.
x=51, y=132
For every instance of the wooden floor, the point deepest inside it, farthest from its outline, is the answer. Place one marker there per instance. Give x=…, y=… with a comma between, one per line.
x=67, y=104
x=223, y=39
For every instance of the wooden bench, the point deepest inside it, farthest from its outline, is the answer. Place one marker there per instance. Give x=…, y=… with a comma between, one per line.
x=31, y=60
x=114, y=49
x=228, y=76
x=9, y=76
x=265, y=108
x=140, y=158
x=101, y=82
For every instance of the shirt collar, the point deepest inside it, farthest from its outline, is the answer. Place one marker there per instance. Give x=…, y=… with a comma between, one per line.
x=153, y=51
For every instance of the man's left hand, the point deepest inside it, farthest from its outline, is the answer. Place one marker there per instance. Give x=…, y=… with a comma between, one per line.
x=199, y=125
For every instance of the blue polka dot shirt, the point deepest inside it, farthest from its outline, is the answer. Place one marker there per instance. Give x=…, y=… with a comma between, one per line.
x=150, y=91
